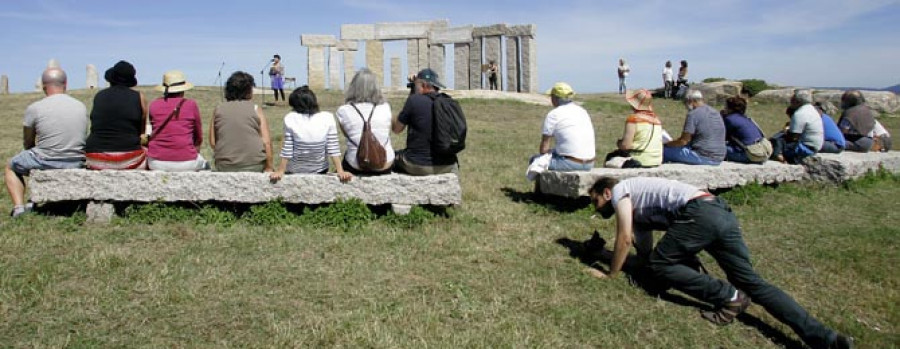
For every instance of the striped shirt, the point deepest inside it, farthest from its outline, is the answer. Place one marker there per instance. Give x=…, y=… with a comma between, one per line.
x=308, y=142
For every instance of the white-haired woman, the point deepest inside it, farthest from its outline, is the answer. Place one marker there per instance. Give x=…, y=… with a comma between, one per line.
x=364, y=101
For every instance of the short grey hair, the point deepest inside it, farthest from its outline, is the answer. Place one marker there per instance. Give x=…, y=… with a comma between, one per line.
x=53, y=76
x=364, y=88
x=803, y=96
x=694, y=95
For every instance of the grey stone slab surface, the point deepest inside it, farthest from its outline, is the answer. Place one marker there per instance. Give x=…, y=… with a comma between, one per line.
x=100, y=212
x=456, y=35
x=529, y=64
x=475, y=62
x=521, y=30
x=822, y=167
x=407, y=30
x=347, y=45
x=375, y=59
x=461, y=66
x=316, y=67
x=244, y=187
x=334, y=68
x=490, y=30
x=310, y=40
x=436, y=56
x=412, y=56
x=512, y=64
x=349, y=66
x=718, y=92
x=397, y=74
x=358, y=32
x=423, y=54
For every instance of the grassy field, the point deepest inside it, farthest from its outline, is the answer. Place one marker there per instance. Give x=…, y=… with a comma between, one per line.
x=495, y=272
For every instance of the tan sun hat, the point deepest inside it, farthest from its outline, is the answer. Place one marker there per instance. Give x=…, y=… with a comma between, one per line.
x=173, y=82
x=640, y=99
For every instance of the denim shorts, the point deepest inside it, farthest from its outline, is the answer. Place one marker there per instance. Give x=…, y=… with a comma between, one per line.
x=28, y=160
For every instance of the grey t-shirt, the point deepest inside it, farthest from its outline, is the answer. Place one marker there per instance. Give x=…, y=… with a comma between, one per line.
x=707, y=128
x=654, y=199
x=60, y=123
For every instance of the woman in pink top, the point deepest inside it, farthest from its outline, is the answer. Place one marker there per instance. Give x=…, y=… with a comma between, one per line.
x=176, y=132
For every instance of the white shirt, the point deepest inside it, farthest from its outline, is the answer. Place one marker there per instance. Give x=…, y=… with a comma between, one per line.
x=667, y=74
x=308, y=142
x=878, y=130
x=570, y=125
x=352, y=124
x=653, y=200
x=807, y=122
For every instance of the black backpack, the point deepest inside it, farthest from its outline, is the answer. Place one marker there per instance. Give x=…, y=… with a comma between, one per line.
x=448, y=127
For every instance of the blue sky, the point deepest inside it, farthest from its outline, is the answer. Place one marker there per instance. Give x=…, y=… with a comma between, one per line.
x=798, y=43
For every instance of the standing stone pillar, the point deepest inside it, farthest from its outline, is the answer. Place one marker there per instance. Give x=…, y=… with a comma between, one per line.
x=396, y=74
x=334, y=69
x=423, y=52
x=461, y=66
x=375, y=59
x=4, y=85
x=475, y=75
x=316, y=68
x=492, y=53
x=349, y=67
x=412, y=56
x=436, y=60
x=92, y=77
x=512, y=64
x=529, y=64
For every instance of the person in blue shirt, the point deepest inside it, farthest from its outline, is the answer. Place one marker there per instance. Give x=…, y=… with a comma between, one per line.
x=834, y=139
x=740, y=132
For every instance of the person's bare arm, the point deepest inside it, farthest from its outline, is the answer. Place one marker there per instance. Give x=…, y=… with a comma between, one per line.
x=396, y=126
x=145, y=112
x=212, y=132
x=28, y=137
x=264, y=135
x=545, y=144
x=627, y=141
x=624, y=235
x=684, y=140
x=343, y=175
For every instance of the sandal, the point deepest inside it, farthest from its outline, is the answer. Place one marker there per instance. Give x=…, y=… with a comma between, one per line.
x=726, y=314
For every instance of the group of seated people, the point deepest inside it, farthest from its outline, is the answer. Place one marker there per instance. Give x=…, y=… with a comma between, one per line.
x=120, y=137
x=708, y=136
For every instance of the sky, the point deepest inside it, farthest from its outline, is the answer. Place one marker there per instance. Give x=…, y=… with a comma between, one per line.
x=834, y=43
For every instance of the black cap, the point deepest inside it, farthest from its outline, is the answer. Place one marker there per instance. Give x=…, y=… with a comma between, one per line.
x=430, y=76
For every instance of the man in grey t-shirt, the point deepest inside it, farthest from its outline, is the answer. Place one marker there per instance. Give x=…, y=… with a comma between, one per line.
x=54, y=131
x=694, y=221
x=702, y=140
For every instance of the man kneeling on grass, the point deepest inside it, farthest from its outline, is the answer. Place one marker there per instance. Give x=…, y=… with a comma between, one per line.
x=696, y=220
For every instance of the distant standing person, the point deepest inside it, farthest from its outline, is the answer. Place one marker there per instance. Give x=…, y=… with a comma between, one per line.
x=276, y=72
x=493, y=69
x=623, y=73
x=668, y=79
x=118, y=119
x=682, y=73
x=53, y=130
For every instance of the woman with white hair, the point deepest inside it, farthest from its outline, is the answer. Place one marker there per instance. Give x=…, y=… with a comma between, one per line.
x=365, y=104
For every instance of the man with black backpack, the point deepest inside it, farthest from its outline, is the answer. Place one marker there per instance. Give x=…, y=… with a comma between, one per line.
x=437, y=129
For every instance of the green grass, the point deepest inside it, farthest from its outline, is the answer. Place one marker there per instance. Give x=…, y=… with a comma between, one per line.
x=487, y=274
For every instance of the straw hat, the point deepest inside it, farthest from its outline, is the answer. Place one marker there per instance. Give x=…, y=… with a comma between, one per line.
x=174, y=82
x=640, y=99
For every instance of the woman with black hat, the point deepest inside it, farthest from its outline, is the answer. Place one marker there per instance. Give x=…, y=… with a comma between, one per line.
x=118, y=119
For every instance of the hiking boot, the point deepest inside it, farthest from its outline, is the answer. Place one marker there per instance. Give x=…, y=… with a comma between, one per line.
x=841, y=342
x=726, y=314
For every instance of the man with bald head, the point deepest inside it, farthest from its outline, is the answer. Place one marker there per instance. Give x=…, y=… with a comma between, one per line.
x=53, y=132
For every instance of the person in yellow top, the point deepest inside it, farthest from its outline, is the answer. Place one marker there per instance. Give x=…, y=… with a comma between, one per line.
x=641, y=143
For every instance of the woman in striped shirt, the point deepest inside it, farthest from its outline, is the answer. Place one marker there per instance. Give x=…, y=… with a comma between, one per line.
x=310, y=138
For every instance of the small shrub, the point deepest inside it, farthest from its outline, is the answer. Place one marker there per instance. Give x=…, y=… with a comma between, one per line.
x=750, y=194
x=344, y=214
x=709, y=80
x=754, y=86
x=417, y=216
x=211, y=215
x=269, y=214
x=156, y=212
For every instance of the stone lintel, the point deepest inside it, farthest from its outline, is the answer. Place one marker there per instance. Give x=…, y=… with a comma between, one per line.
x=456, y=35
x=310, y=40
x=347, y=45
x=521, y=30
x=407, y=30
x=491, y=30
x=358, y=32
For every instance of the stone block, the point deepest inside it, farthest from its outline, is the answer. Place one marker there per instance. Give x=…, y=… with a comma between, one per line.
x=334, y=68
x=316, y=68
x=4, y=85
x=375, y=59
x=461, y=66
x=407, y=30
x=358, y=32
x=100, y=212
x=242, y=187
x=53, y=63
x=849, y=165
x=436, y=61
x=475, y=62
x=521, y=30
x=512, y=64
x=880, y=101
x=491, y=30
x=492, y=52
x=349, y=66
x=412, y=56
x=93, y=79
x=528, y=68
x=718, y=92
x=397, y=74
x=456, y=35
x=347, y=45
x=422, y=55
x=310, y=40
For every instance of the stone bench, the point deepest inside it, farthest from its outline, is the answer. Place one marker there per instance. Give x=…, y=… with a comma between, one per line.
x=822, y=167
x=103, y=188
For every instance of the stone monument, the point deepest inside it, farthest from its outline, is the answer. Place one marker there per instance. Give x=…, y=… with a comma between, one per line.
x=93, y=80
x=4, y=85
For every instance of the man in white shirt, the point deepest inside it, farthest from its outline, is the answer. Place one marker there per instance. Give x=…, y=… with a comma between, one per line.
x=570, y=126
x=805, y=134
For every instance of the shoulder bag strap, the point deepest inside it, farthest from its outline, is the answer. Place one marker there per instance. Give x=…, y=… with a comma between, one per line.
x=174, y=114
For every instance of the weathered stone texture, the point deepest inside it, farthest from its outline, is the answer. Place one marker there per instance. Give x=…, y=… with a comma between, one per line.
x=347, y=45
x=375, y=59
x=334, y=69
x=512, y=64
x=423, y=53
x=491, y=30
x=349, y=67
x=521, y=30
x=492, y=45
x=358, y=32
x=93, y=79
x=407, y=30
x=4, y=85
x=879, y=101
x=461, y=66
x=316, y=68
x=529, y=64
x=310, y=40
x=475, y=76
x=436, y=61
x=245, y=187
x=412, y=56
x=718, y=92
x=457, y=35
x=396, y=74
x=822, y=167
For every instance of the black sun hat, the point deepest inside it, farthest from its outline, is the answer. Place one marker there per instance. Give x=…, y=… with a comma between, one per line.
x=121, y=74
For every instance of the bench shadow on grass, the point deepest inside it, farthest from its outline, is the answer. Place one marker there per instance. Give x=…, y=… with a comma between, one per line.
x=588, y=253
x=552, y=202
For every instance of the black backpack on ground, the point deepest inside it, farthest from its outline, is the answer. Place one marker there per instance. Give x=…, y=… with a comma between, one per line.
x=448, y=127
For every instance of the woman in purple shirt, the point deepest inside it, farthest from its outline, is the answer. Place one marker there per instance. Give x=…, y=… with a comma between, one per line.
x=176, y=134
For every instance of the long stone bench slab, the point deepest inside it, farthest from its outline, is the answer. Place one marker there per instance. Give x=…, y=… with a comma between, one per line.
x=822, y=167
x=104, y=187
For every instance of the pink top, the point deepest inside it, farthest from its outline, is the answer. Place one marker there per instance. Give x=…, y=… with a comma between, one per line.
x=180, y=138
